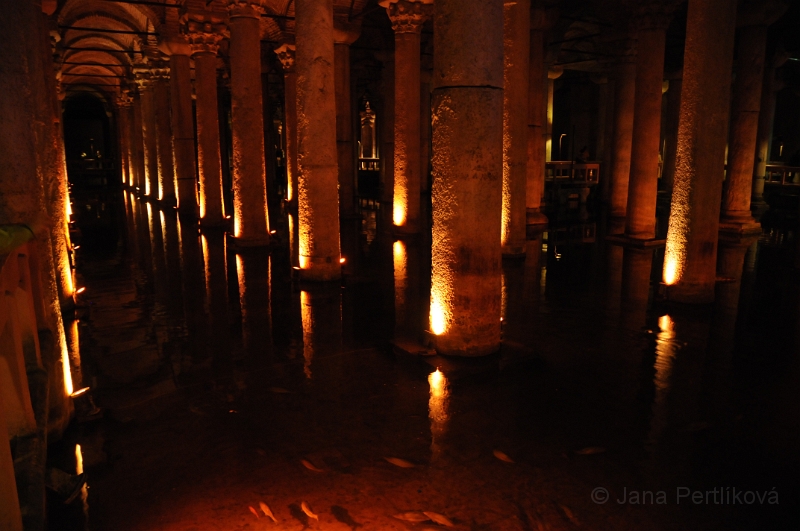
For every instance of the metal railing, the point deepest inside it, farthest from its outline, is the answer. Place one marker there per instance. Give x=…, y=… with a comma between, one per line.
x=777, y=174
x=565, y=171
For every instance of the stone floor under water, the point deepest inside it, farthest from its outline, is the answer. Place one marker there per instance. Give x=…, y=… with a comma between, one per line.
x=224, y=385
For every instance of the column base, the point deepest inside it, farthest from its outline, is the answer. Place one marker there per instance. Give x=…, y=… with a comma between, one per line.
x=169, y=201
x=449, y=347
x=245, y=243
x=405, y=230
x=317, y=276
x=214, y=223
x=758, y=206
x=513, y=250
x=739, y=224
x=534, y=216
x=689, y=293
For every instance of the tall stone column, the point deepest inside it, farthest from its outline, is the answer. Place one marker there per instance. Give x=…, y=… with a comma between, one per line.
x=752, y=49
x=467, y=183
x=286, y=55
x=149, y=137
x=766, y=118
x=124, y=102
x=624, y=93
x=407, y=17
x=671, y=118
x=516, y=50
x=536, y=153
x=205, y=33
x=645, y=147
x=250, y=223
x=344, y=34
x=137, y=145
x=691, y=251
x=166, y=162
x=318, y=197
x=182, y=124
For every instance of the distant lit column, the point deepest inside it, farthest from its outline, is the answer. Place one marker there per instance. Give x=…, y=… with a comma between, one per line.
x=124, y=103
x=345, y=33
x=516, y=49
x=149, y=138
x=624, y=93
x=205, y=32
x=766, y=117
x=407, y=17
x=646, y=142
x=286, y=56
x=182, y=124
x=691, y=253
x=736, y=215
x=467, y=168
x=166, y=167
x=137, y=144
x=536, y=107
x=250, y=223
x=671, y=117
x=318, y=195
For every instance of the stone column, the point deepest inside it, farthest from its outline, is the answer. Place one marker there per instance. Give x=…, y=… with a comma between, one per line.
x=671, y=117
x=182, y=125
x=137, y=145
x=691, y=251
x=752, y=49
x=645, y=147
x=250, y=223
x=537, y=115
x=624, y=90
x=205, y=33
x=407, y=17
x=286, y=56
x=467, y=183
x=345, y=33
x=149, y=138
x=124, y=102
x=766, y=118
x=516, y=50
x=166, y=167
x=318, y=201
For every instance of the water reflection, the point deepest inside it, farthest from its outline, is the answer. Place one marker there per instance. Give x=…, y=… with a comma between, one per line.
x=252, y=268
x=321, y=315
x=193, y=292
x=438, y=412
x=637, y=266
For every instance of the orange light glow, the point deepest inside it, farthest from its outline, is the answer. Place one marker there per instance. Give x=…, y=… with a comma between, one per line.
x=79, y=392
x=438, y=317
x=65, y=367
x=505, y=211
x=438, y=411
x=80, y=290
x=399, y=209
x=78, y=459
x=438, y=384
x=342, y=260
x=307, y=320
x=670, y=270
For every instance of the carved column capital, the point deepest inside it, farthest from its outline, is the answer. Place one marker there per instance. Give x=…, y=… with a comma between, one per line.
x=159, y=70
x=285, y=53
x=246, y=8
x=204, y=30
x=143, y=77
x=407, y=16
x=124, y=99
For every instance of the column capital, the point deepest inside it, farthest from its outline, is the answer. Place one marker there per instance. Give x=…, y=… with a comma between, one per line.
x=204, y=30
x=344, y=31
x=143, y=77
x=246, y=8
x=159, y=70
x=285, y=53
x=124, y=99
x=407, y=16
x=175, y=45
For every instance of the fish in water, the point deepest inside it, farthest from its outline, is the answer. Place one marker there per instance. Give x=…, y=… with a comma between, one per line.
x=402, y=463
x=439, y=518
x=341, y=514
x=412, y=516
x=267, y=511
x=502, y=456
x=310, y=466
x=306, y=509
x=252, y=510
x=591, y=450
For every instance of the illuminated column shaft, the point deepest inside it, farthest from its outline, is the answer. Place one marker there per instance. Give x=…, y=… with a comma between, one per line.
x=407, y=18
x=516, y=44
x=467, y=183
x=251, y=226
x=345, y=34
x=208, y=151
x=536, y=115
x=123, y=129
x=744, y=130
x=149, y=138
x=318, y=196
x=286, y=54
x=672, y=115
x=766, y=117
x=137, y=145
x=624, y=90
x=166, y=168
x=691, y=251
x=183, y=132
x=645, y=146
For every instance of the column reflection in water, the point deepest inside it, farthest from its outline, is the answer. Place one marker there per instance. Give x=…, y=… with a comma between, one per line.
x=74, y=349
x=158, y=268
x=174, y=293
x=408, y=311
x=193, y=294
x=216, y=296
x=438, y=412
x=637, y=265
x=513, y=300
x=666, y=350
x=321, y=314
x=252, y=269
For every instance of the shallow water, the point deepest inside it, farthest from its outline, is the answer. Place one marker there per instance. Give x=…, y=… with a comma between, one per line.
x=224, y=384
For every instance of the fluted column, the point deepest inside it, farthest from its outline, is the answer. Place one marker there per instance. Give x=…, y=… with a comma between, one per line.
x=205, y=32
x=318, y=196
x=467, y=176
x=286, y=55
x=407, y=17
x=137, y=145
x=646, y=144
x=691, y=251
x=250, y=223
x=752, y=49
x=182, y=124
x=166, y=163
x=345, y=33
x=536, y=111
x=624, y=93
x=516, y=50
x=149, y=137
